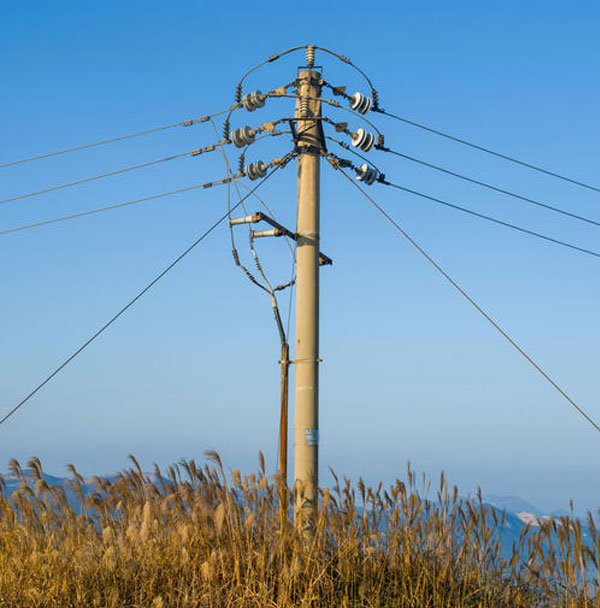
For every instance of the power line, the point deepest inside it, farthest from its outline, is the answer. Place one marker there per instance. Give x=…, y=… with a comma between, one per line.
x=463, y=209
x=494, y=220
x=114, y=206
x=489, y=151
x=184, y=123
x=478, y=308
x=195, y=152
x=129, y=304
x=490, y=186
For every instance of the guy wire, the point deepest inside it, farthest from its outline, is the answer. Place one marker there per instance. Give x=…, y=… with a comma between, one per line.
x=475, y=305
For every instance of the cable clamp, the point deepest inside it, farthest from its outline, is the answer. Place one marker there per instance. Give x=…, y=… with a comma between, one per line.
x=280, y=92
x=338, y=163
x=341, y=127
x=199, y=151
x=318, y=360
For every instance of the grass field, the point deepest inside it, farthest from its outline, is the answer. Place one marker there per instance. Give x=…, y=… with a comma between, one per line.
x=195, y=536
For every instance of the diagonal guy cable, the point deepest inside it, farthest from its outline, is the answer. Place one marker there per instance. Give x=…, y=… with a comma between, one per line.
x=473, y=303
x=129, y=304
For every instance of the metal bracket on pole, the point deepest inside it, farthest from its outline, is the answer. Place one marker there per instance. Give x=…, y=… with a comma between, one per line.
x=278, y=230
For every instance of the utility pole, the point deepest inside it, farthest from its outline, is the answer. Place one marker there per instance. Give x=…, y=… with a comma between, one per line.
x=306, y=451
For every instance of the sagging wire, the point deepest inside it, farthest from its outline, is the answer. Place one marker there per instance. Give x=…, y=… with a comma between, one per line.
x=271, y=291
x=310, y=57
x=265, y=285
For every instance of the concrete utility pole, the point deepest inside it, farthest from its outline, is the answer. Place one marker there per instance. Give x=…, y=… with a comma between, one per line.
x=306, y=453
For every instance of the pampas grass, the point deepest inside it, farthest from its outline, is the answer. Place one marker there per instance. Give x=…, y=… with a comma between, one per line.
x=194, y=536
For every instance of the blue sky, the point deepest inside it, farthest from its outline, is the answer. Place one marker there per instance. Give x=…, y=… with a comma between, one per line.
x=410, y=371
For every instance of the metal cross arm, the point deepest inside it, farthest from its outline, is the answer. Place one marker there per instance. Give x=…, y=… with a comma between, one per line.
x=278, y=230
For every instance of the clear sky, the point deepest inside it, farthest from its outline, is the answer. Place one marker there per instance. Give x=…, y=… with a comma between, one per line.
x=409, y=371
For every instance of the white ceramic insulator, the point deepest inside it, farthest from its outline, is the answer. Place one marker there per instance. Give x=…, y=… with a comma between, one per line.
x=360, y=103
x=363, y=139
x=243, y=136
x=256, y=170
x=253, y=101
x=366, y=174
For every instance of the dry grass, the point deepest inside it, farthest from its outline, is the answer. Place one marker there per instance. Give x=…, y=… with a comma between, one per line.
x=197, y=537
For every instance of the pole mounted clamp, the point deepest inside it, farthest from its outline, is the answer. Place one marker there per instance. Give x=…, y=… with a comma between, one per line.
x=308, y=149
x=317, y=360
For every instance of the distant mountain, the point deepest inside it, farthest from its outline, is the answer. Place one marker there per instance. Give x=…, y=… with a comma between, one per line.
x=12, y=481
x=512, y=503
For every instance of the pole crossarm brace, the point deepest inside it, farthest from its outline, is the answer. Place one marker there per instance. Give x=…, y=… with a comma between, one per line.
x=278, y=230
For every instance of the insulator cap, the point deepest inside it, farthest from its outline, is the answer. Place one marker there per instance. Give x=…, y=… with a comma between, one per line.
x=367, y=174
x=253, y=101
x=363, y=139
x=243, y=136
x=256, y=170
x=360, y=103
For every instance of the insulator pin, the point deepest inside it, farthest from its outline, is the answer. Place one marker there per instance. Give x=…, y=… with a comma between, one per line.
x=256, y=170
x=360, y=103
x=367, y=174
x=363, y=139
x=243, y=136
x=253, y=101
x=310, y=56
x=304, y=107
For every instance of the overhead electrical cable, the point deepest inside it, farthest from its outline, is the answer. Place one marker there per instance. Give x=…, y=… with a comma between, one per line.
x=470, y=144
x=184, y=123
x=195, y=152
x=310, y=56
x=493, y=219
x=131, y=302
x=475, y=305
x=490, y=186
x=114, y=206
x=382, y=180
